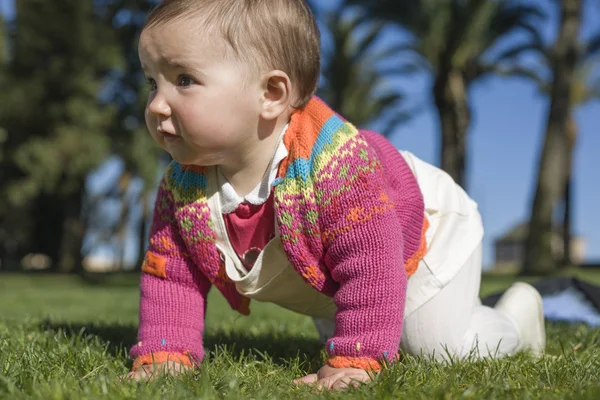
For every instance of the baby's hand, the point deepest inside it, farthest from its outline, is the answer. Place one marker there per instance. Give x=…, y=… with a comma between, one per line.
x=150, y=371
x=336, y=378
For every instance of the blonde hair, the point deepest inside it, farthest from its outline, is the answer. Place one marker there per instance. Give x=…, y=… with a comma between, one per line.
x=273, y=34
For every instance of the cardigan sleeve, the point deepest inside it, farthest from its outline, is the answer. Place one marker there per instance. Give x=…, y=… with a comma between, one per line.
x=365, y=232
x=367, y=264
x=173, y=294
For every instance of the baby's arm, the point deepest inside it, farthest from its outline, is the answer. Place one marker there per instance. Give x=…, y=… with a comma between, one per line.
x=364, y=243
x=369, y=267
x=173, y=296
x=365, y=231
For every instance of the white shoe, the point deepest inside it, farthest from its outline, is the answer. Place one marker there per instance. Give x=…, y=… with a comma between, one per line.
x=523, y=304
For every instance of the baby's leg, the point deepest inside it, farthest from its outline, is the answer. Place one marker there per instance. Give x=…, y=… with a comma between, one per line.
x=454, y=321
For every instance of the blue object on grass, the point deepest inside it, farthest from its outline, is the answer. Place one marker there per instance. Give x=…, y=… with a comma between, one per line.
x=570, y=305
x=566, y=299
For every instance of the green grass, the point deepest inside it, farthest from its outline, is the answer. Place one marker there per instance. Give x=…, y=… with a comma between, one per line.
x=61, y=338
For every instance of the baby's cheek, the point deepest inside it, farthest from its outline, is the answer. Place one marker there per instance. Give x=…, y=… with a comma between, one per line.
x=150, y=120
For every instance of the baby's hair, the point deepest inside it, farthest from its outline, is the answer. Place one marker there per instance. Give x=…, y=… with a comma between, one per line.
x=267, y=34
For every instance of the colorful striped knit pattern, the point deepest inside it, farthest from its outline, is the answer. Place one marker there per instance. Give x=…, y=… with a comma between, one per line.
x=351, y=219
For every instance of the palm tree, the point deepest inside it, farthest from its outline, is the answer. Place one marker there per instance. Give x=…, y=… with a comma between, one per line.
x=586, y=88
x=353, y=86
x=131, y=141
x=3, y=41
x=554, y=162
x=457, y=42
x=3, y=133
x=572, y=84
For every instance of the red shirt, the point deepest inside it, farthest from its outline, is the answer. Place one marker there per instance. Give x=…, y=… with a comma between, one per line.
x=250, y=227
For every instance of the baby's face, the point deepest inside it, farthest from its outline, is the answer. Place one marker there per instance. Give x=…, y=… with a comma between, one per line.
x=202, y=106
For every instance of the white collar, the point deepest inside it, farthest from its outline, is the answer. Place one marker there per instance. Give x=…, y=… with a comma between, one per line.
x=230, y=200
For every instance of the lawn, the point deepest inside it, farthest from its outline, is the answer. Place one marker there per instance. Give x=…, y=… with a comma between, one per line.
x=62, y=338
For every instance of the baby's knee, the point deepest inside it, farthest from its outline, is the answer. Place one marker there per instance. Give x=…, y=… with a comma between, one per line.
x=431, y=349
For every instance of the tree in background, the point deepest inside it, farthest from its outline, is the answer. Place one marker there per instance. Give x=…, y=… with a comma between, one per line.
x=586, y=88
x=3, y=134
x=57, y=126
x=457, y=42
x=130, y=140
x=571, y=85
x=3, y=44
x=108, y=61
x=353, y=86
x=3, y=87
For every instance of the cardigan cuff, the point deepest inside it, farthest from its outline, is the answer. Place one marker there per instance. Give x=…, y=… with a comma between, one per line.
x=162, y=357
x=366, y=363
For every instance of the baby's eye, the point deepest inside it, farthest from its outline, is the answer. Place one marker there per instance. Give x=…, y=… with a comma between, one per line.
x=185, y=80
x=151, y=83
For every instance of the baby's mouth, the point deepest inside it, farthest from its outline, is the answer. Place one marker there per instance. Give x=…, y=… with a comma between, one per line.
x=168, y=135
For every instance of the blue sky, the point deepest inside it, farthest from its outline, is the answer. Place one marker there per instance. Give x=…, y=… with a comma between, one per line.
x=505, y=142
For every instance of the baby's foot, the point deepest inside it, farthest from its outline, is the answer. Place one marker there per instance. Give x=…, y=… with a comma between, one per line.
x=523, y=304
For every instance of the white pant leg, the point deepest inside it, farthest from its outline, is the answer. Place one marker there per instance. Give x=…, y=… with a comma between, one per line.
x=454, y=321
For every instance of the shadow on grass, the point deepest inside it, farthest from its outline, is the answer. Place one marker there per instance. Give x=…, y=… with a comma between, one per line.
x=112, y=280
x=118, y=338
x=279, y=348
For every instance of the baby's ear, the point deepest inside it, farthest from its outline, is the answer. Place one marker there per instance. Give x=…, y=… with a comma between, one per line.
x=277, y=94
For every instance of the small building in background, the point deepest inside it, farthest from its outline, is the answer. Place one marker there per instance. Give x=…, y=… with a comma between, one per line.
x=101, y=264
x=509, y=248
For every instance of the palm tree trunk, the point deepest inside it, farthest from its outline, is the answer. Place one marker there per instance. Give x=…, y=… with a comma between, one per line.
x=124, y=184
x=143, y=229
x=571, y=130
x=567, y=259
x=538, y=259
x=73, y=231
x=48, y=216
x=450, y=94
x=60, y=229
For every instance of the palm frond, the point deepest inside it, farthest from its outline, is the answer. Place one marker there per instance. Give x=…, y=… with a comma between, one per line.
x=387, y=100
x=476, y=69
x=355, y=87
x=408, y=13
x=452, y=33
x=586, y=85
x=392, y=123
x=516, y=16
x=511, y=18
x=470, y=21
x=398, y=49
x=436, y=36
x=518, y=49
x=404, y=69
x=594, y=91
x=593, y=46
x=363, y=47
x=412, y=62
x=531, y=74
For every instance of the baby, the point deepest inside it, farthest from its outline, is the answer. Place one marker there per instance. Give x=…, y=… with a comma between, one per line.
x=273, y=197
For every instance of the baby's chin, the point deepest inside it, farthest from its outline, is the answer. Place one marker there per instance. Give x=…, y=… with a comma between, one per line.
x=193, y=159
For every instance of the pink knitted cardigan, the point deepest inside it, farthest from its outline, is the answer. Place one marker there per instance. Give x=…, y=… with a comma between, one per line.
x=351, y=218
